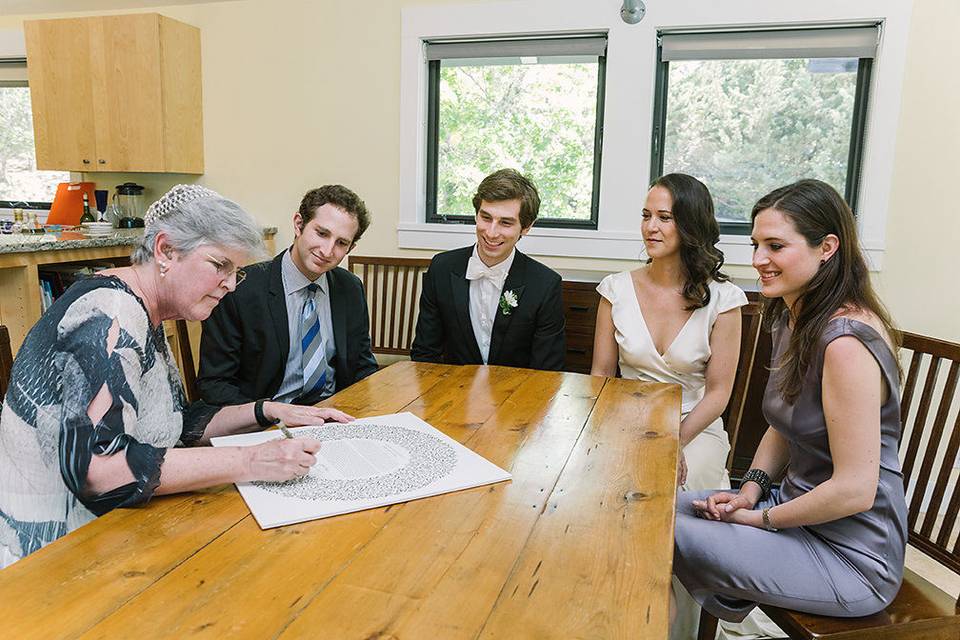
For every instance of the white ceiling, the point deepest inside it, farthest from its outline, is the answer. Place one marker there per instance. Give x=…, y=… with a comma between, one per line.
x=32, y=7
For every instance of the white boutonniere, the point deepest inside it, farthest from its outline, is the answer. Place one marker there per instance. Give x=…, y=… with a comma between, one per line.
x=508, y=302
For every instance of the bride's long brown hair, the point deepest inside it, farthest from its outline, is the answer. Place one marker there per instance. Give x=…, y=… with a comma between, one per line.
x=699, y=234
x=816, y=210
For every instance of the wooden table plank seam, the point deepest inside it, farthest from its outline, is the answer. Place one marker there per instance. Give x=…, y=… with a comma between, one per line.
x=594, y=576
x=466, y=547
x=500, y=416
x=373, y=538
x=546, y=503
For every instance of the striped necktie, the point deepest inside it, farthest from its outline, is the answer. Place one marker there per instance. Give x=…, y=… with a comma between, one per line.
x=313, y=354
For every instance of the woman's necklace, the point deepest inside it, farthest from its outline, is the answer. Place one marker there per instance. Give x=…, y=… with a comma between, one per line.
x=143, y=293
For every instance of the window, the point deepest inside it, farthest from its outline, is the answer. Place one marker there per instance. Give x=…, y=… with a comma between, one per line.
x=535, y=105
x=21, y=184
x=749, y=111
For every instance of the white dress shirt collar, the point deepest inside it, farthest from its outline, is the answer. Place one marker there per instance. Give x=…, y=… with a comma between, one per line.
x=294, y=280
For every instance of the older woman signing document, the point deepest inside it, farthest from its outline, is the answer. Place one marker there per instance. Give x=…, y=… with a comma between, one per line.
x=95, y=405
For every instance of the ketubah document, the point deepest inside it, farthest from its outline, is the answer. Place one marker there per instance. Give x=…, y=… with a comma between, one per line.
x=364, y=464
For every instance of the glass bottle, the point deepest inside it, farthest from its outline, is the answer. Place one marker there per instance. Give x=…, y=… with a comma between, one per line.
x=87, y=216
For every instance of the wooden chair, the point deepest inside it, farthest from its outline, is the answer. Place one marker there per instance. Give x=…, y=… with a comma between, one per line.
x=392, y=286
x=6, y=361
x=920, y=610
x=751, y=321
x=188, y=369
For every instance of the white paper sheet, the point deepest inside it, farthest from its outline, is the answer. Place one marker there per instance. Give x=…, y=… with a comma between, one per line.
x=372, y=462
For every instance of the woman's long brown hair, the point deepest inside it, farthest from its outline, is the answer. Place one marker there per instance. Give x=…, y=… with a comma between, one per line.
x=816, y=210
x=699, y=234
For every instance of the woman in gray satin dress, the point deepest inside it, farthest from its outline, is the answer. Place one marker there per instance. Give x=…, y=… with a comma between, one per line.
x=831, y=539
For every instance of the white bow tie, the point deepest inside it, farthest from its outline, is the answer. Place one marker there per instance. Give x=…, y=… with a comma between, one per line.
x=476, y=270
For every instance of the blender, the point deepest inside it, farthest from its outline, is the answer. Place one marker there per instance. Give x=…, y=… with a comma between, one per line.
x=129, y=204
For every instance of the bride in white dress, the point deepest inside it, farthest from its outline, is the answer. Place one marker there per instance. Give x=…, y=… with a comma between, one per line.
x=676, y=319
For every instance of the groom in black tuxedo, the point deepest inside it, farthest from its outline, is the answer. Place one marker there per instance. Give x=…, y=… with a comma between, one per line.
x=489, y=303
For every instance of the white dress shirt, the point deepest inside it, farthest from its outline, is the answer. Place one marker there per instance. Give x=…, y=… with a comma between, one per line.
x=295, y=294
x=486, y=285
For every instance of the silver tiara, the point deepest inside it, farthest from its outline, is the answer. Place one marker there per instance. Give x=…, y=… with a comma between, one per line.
x=172, y=200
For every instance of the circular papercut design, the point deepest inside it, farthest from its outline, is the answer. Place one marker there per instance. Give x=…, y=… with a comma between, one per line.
x=429, y=459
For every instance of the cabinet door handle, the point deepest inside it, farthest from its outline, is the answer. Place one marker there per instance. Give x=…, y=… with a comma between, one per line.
x=85, y=161
x=579, y=307
x=580, y=351
x=102, y=161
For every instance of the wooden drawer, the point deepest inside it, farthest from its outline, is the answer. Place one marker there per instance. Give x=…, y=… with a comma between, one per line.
x=579, y=351
x=580, y=302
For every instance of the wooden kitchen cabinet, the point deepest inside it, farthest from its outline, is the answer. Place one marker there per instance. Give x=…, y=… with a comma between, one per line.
x=116, y=93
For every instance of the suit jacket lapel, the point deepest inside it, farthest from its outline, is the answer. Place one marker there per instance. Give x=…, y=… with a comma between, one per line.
x=515, y=282
x=278, y=311
x=338, y=315
x=460, y=287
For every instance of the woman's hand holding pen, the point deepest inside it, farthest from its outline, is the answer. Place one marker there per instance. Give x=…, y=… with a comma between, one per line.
x=279, y=460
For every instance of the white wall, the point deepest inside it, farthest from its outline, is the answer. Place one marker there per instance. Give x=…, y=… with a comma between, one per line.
x=919, y=280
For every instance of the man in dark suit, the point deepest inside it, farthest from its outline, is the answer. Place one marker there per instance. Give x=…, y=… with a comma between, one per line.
x=297, y=329
x=489, y=303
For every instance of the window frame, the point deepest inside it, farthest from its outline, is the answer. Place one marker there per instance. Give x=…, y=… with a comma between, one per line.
x=432, y=143
x=858, y=129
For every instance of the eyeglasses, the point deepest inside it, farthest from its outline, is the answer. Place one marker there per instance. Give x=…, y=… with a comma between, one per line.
x=226, y=269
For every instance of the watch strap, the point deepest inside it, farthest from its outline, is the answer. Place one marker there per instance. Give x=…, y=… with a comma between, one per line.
x=260, y=416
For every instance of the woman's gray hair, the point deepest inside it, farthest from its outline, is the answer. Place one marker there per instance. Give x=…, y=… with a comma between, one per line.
x=191, y=216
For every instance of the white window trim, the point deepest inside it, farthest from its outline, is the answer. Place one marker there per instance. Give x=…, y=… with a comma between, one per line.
x=628, y=115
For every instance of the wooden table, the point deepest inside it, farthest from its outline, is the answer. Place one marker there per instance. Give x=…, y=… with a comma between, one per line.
x=578, y=545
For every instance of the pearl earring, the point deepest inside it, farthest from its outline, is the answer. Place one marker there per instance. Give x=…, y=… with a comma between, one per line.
x=163, y=269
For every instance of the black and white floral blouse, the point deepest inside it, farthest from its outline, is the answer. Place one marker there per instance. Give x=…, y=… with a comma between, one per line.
x=98, y=333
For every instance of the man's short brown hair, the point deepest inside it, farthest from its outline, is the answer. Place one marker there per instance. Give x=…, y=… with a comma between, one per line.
x=510, y=184
x=340, y=197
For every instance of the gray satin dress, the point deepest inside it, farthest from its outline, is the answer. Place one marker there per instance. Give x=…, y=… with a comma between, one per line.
x=849, y=567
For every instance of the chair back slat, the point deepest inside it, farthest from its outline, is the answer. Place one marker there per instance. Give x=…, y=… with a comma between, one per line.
x=373, y=297
x=391, y=342
x=751, y=320
x=384, y=293
x=189, y=372
x=943, y=477
x=6, y=361
x=921, y=417
x=935, y=430
x=906, y=396
x=403, y=315
x=930, y=444
x=393, y=293
x=415, y=278
x=950, y=515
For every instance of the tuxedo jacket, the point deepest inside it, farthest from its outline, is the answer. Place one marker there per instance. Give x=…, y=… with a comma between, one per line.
x=530, y=336
x=246, y=340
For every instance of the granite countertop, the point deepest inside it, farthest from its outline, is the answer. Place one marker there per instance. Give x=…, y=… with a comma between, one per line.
x=24, y=243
